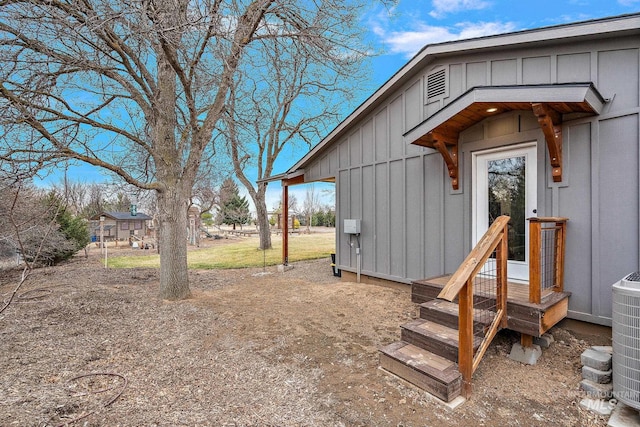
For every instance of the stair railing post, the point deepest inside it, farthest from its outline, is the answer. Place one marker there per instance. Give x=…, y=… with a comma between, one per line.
x=502, y=255
x=465, y=343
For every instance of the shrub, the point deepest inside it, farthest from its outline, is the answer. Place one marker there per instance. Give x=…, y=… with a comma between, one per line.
x=43, y=246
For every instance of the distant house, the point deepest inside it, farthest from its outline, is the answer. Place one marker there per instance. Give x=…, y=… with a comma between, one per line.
x=120, y=225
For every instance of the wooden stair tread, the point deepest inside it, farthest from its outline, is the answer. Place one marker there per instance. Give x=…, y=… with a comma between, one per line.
x=422, y=368
x=434, y=337
x=451, y=309
x=447, y=313
x=436, y=331
x=423, y=360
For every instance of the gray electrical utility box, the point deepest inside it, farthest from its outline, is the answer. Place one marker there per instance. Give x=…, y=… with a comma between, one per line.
x=352, y=226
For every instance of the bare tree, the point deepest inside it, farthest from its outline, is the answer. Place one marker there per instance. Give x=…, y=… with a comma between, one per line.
x=206, y=196
x=74, y=193
x=206, y=191
x=311, y=204
x=288, y=95
x=139, y=87
x=88, y=199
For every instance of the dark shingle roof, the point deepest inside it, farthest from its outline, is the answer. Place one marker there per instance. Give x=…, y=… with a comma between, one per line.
x=121, y=216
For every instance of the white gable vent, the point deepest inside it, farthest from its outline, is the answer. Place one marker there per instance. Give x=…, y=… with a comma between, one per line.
x=436, y=85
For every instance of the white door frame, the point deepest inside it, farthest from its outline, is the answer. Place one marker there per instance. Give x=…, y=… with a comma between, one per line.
x=517, y=270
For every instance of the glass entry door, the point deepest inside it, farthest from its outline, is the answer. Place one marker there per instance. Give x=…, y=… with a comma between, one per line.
x=504, y=183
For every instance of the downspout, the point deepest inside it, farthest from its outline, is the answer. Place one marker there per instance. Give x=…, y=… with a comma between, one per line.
x=358, y=261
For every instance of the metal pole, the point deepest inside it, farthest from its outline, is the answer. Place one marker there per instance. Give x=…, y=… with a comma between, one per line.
x=101, y=234
x=103, y=244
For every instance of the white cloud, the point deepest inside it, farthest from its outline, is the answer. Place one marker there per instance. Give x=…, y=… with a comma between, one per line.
x=628, y=2
x=442, y=7
x=410, y=42
x=480, y=29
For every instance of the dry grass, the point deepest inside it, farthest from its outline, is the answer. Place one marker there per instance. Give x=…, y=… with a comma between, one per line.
x=240, y=253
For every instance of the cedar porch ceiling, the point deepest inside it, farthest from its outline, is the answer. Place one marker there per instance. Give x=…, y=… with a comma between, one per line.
x=549, y=103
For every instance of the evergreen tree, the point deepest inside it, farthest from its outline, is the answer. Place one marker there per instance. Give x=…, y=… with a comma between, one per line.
x=318, y=218
x=74, y=229
x=233, y=209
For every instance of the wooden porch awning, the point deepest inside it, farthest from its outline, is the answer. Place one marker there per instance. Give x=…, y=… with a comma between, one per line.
x=548, y=102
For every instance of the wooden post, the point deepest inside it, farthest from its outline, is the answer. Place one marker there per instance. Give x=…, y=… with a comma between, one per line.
x=285, y=214
x=285, y=223
x=502, y=255
x=534, y=261
x=526, y=340
x=465, y=344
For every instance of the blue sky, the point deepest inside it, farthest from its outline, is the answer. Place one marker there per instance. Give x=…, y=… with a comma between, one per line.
x=416, y=23
x=399, y=33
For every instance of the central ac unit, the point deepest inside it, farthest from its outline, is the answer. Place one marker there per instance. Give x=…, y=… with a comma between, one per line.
x=626, y=340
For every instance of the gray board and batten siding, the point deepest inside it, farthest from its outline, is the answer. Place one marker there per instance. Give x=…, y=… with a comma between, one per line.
x=414, y=225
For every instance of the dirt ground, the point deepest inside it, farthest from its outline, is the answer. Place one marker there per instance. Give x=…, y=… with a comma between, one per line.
x=90, y=346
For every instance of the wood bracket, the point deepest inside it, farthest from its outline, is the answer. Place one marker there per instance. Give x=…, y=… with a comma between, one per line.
x=551, y=123
x=450, y=156
x=293, y=181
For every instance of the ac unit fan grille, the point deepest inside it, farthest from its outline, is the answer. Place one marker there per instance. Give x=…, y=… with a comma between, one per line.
x=633, y=277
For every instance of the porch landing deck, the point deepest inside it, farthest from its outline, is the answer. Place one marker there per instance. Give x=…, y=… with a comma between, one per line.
x=522, y=316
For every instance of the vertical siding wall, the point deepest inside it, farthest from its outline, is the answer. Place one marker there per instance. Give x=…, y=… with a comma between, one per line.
x=396, y=191
x=414, y=225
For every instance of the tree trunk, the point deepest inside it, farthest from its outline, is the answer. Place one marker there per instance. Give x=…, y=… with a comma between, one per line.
x=174, y=277
x=263, y=217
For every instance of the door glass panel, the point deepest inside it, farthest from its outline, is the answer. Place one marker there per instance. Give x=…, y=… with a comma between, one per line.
x=506, y=185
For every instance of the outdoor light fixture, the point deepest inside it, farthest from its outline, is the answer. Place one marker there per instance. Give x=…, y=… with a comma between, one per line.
x=492, y=110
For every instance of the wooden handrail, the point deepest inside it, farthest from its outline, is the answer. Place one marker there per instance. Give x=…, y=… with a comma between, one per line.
x=461, y=285
x=475, y=260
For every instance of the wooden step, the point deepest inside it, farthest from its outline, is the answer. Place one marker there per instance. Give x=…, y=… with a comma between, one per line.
x=446, y=313
x=426, y=289
x=434, y=337
x=422, y=368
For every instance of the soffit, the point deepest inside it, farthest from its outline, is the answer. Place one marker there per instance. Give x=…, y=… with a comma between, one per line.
x=474, y=106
